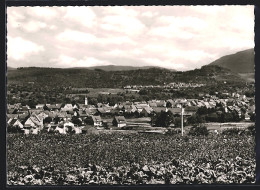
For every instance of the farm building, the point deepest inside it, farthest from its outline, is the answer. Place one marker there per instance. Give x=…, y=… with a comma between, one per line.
x=119, y=121
x=97, y=121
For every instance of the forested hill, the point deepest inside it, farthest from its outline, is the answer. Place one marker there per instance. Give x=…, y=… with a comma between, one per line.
x=240, y=62
x=114, y=79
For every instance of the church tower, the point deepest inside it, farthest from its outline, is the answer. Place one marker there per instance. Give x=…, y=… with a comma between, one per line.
x=86, y=101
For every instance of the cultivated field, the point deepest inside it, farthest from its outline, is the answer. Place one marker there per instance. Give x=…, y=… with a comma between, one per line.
x=130, y=159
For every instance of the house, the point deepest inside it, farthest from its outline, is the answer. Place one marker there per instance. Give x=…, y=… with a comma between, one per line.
x=15, y=123
x=91, y=111
x=53, y=107
x=82, y=114
x=12, y=111
x=34, y=121
x=43, y=115
x=67, y=107
x=152, y=104
x=160, y=103
x=119, y=121
x=97, y=121
x=247, y=117
x=170, y=103
x=146, y=111
x=139, y=108
x=60, y=129
x=39, y=106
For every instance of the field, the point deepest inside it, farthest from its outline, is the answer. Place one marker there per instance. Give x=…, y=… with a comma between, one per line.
x=130, y=159
x=223, y=126
x=94, y=92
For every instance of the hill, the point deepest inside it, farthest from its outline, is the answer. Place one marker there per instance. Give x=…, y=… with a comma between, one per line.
x=113, y=79
x=116, y=68
x=241, y=62
x=11, y=68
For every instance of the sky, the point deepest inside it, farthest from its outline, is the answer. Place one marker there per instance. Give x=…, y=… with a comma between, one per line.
x=174, y=37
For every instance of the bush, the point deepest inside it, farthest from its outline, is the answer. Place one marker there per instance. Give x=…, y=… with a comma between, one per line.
x=251, y=130
x=233, y=131
x=172, y=132
x=197, y=131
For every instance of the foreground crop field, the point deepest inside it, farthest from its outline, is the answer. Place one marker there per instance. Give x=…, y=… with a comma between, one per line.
x=130, y=159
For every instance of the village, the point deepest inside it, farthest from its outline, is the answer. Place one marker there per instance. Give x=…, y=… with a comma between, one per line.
x=80, y=118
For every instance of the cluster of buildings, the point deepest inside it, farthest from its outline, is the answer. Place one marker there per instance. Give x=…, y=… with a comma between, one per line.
x=61, y=117
x=170, y=85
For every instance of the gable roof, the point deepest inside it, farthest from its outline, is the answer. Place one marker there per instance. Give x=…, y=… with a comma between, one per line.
x=159, y=109
x=13, y=121
x=96, y=118
x=120, y=119
x=175, y=110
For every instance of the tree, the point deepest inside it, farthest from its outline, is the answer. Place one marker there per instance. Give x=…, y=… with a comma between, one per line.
x=197, y=131
x=76, y=120
x=168, y=104
x=89, y=120
x=163, y=119
x=45, y=107
x=47, y=120
x=56, y=120
x=252, y=117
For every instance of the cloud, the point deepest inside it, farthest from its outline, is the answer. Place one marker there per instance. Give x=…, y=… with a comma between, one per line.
x=34, y=26
x=149, y=14
x=178, y=27
x=121, y=11
x=208, y=10
x=124, y=24
x=14, y=18
x=82, y=15
x=64, y=60
x=180, y=37
x=46, y=13
x=20, y=49
x=76, y=36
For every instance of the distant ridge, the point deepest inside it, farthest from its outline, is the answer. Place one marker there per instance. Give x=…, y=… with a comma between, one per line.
x=118, y=68
x=240, y=62
x=11, y=68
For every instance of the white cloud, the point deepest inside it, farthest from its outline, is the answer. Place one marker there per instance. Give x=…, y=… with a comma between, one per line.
x=123, y=24
x=119, y=40
x=149, y=14
x=178, y=27
x=19, y=48
x=34, y=26
x=121, y=11
x=69, y=61
x=42, y=12
x=14, y=18
x=208, y=10
x=82, y=15
x=76, y=36
x=180, y=37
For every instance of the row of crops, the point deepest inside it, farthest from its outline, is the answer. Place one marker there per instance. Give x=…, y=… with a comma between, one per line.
x=130, y=159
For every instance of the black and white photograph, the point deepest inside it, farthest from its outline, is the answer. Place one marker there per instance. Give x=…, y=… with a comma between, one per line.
x=130, y=95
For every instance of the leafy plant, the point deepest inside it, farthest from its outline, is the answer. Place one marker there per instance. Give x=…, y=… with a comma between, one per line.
x=198, y=131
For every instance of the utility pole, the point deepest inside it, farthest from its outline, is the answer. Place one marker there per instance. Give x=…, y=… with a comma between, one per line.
x=181, y=120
